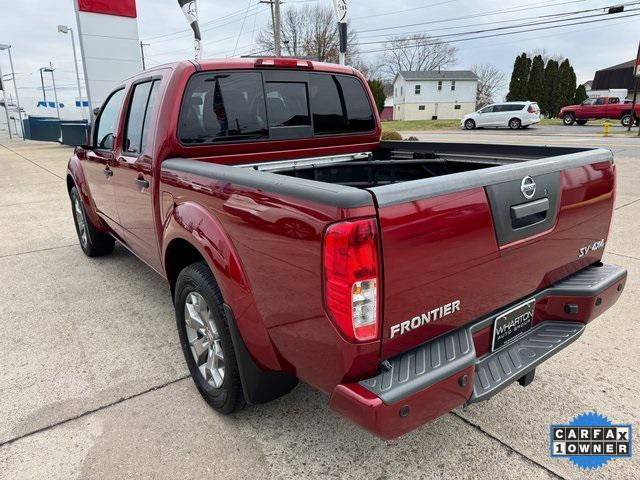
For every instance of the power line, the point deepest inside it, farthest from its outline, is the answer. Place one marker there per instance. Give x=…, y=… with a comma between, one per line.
x=495, y=22
x=476, y=15
x=421, y=44
x=506, y=27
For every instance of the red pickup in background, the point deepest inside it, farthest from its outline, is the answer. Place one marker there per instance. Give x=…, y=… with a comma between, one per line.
x=598, y=108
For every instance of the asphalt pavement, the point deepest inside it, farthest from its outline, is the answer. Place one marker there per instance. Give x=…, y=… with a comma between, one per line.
x=93, y=383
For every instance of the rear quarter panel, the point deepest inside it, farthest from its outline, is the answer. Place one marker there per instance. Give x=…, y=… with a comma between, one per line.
x=277, y=295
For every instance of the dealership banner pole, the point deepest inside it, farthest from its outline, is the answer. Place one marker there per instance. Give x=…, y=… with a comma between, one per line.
x=190, y=11
x=341, y=12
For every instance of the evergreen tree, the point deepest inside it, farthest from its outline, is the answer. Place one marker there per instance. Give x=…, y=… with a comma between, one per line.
x=535, y=86
x=551, y=101
x=566, y=84
x=377, y=89
x=519, y=79
x=580, y=95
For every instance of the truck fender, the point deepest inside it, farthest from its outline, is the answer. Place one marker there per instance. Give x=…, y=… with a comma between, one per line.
x=76, y=178
x=192, y=223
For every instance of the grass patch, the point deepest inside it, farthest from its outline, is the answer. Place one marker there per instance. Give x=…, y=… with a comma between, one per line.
x=417, y=125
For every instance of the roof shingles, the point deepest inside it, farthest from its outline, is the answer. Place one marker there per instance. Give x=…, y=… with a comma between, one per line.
x=439, y=75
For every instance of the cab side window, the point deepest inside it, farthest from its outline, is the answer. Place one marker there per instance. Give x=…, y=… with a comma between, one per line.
x=141, y=107
x=107, y=121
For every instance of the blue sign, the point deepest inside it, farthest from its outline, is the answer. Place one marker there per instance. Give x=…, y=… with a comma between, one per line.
x=590, y=440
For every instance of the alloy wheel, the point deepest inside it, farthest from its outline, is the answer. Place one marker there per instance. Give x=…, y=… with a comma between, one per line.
x=82, y=226
x=204, y=340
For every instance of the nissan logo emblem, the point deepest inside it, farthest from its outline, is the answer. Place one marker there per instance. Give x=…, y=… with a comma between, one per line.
x=528, y=187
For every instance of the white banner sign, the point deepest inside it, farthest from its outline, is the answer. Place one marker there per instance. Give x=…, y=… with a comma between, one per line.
x=341, y=10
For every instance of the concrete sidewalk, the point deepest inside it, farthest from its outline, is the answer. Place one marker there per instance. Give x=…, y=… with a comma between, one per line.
x=93, y=383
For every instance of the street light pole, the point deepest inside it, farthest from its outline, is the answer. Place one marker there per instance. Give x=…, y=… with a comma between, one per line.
x=65, y=29
x=44, y=93
x=55, y=92
x=15, y=87
x=6, y=108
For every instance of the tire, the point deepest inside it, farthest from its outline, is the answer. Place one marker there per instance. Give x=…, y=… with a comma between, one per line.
x=569, y=119
x=469, y=124
x=515, y=123
x=217, y=378
x=93, y=242
x=626, y=119
x=581, y=122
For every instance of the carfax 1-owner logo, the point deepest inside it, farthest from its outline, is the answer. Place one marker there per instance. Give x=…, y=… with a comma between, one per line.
x=591, y=440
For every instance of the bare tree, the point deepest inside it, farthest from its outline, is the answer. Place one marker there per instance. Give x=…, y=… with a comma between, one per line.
x=417, y=52
x=490, y=81
x=310, y=31
x=546, y=56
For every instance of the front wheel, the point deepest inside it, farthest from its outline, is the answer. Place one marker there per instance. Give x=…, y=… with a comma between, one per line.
x=469, y=124
x=206, y=340
x=569, y=119
x=515, y=123
x=93, y=242
x=626, y=120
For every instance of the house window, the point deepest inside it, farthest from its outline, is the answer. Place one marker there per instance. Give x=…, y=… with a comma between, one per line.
x=420, y=107
x=453, y=85
x=417, y=90
x=456, y=107
x=401, y=91
x=395, y=92
x=440, y=85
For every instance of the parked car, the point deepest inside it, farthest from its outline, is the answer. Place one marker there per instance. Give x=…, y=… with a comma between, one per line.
x=599, y=108
x=514, y=115
x=402, y=279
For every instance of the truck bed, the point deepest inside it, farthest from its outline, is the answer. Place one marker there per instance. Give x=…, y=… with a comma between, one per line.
x=403, y=161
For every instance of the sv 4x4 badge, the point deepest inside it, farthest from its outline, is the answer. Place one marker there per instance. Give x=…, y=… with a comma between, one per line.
x=599, y=245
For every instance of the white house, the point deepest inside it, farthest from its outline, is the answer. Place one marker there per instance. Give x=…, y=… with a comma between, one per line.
x=434, y=95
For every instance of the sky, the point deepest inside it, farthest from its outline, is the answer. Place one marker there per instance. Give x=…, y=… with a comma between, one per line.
x=229, y=27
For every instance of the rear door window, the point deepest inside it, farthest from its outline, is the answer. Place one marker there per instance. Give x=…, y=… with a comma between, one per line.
x=221, y=106
x=138, y=120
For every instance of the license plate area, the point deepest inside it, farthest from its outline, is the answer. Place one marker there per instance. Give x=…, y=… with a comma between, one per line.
x=511, y=324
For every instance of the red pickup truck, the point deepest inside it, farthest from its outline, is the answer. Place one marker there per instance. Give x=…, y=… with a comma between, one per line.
x=403, y=279
x=598, y=108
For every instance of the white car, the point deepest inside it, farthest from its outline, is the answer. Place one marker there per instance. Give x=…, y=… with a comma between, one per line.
x=514, y=115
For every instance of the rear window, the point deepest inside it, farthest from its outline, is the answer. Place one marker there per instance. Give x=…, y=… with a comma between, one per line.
x=231, y=106
x=509, y=107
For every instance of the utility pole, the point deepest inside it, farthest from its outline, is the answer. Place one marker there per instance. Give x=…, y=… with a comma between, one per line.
x=275, y=21
x=15, y=87
x=636, y=73
x=142, y=45
x=276, y=27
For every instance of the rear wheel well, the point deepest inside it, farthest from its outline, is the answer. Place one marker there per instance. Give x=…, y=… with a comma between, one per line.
x=179, y=255
x=625, y=112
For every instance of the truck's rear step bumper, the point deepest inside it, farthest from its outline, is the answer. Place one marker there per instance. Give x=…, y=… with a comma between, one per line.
x=451, y=370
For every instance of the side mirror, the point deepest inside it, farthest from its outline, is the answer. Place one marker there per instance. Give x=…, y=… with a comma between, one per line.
x=96, y=111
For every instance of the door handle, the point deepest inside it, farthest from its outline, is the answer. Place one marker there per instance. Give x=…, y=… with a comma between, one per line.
x=108, y=172
x=142, y=183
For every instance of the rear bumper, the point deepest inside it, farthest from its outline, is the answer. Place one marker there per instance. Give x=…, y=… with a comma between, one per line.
x=456, y=368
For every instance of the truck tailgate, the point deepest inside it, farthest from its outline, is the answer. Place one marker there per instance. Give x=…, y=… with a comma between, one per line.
x=456, y=248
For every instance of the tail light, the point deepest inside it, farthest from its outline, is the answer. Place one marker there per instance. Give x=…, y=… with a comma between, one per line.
x=351, y=278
